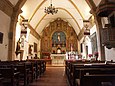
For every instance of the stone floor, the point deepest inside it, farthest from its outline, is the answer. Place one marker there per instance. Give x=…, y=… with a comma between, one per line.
x=53, y=76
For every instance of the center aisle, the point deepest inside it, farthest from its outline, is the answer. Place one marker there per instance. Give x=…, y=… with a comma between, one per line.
x=53, y=76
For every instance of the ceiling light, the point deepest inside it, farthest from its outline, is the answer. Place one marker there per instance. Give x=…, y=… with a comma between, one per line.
x=51, y=9
x=86, y=25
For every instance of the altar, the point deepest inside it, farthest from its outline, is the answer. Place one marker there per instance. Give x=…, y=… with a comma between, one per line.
x=58, y=58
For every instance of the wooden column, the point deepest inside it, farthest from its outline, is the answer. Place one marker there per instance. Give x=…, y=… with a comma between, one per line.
x=101, y=48
x=12, y=30
x=99, y=28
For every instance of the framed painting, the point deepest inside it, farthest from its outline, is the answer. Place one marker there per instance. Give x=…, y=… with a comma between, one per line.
x=94, y=42
x=35, y=47
x=1, y=37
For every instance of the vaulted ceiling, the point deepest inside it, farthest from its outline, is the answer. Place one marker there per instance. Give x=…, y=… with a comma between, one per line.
x=72, y=11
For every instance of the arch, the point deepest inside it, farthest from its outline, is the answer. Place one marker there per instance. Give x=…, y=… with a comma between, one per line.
x=37, y=9
x=14, y=18
x=77, y=8
x=44, y=2
x=61, y=9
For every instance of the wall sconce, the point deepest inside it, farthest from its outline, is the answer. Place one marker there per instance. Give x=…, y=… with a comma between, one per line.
x=24, y=29
x=86, y=26
x=25, y=23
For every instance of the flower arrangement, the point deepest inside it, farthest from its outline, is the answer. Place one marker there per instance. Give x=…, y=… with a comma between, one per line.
x=90, y=55
x=96, y=55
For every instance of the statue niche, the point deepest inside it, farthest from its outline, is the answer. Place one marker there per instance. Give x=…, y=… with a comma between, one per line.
x=58, y=42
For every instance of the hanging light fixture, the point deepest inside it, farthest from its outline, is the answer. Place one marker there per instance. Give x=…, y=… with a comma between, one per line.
x=24, y=27
x=86, y=25
x=51, y=9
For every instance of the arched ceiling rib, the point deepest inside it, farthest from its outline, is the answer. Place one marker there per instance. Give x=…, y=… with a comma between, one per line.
x=75, y=14
x=44, y=2
x=72, y=11
x=71, y=17
x=36, y=10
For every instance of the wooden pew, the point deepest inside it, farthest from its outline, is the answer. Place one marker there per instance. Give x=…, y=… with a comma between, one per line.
x=29, y=70
x=75, y=70
x=24, y=72
x=96, y=77
x=69, y=69
x=10, y=77
x=30, y=66
x=20, y=66
x=40, y=66
x=33, y=69
x=96, y=73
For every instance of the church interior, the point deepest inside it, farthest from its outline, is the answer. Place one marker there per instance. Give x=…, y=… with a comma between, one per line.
x=40, y=39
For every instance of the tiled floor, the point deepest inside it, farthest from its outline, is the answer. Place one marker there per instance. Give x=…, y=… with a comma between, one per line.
x=53, y=76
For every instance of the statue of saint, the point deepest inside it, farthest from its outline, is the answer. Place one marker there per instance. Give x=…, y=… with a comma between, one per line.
x=18, y=47
x=30, y=49
x=58, y=37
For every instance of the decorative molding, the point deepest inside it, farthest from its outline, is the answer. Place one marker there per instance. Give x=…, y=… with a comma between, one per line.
x=33, y=32
x=58, y=26
x=91, y=5
x=7, y=7
x=105, y=8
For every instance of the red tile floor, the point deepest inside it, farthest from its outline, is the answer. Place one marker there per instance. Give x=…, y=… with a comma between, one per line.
x=53, y=76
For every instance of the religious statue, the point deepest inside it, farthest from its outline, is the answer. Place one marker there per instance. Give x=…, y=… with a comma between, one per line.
x=59, y=37
x=30, y=50
x=18, y=47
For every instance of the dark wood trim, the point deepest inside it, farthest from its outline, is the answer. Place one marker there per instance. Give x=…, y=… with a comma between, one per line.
x=99, y=26
x=7, y=7
x=33, y=32
x=14, y=19
x=81, y=34
x=91, y=5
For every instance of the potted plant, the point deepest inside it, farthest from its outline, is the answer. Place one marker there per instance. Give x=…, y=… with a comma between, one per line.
x=90, y=56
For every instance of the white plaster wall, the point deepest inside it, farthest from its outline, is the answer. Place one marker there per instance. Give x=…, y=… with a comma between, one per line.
x=94, y=29
x=87, y=42
x=4, y=28
x=28, y=40
x=110, y=54
x=31, y=40
x=17, y=36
